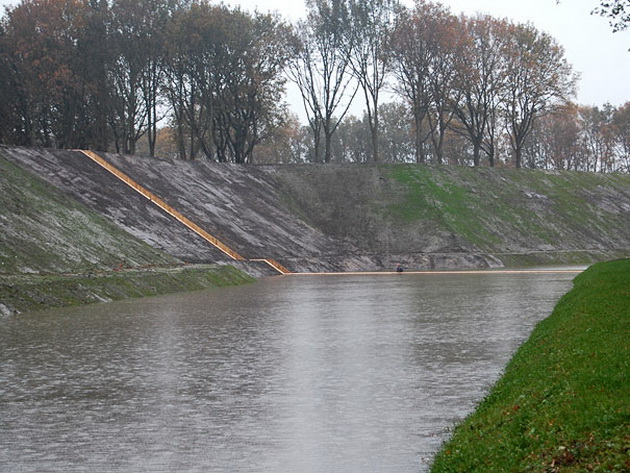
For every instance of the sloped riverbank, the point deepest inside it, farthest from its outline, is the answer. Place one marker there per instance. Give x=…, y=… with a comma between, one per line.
x=562, y=404
x=27, y=293
x=62, y=213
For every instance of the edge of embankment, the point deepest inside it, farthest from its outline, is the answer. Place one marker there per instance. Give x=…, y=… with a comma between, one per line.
x=34, y=292
x=562, y=402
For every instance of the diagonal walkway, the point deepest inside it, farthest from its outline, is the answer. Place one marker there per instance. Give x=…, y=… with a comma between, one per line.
x=176, y=214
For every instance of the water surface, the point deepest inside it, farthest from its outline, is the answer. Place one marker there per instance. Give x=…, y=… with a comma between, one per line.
x=291, y=374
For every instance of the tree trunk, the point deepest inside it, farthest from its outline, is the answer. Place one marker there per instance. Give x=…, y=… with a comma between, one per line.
x=477, y=153
x=420, y=156
x=518, y=156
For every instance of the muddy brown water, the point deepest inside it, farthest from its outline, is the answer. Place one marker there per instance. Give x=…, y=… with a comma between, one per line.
x=291, y=374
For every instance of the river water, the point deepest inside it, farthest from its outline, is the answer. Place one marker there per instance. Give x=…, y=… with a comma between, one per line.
x=290, y=374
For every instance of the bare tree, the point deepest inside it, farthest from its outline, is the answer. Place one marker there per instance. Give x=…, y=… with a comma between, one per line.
x=249, y=81
x=412, y=63
x=620, y=130
x=188, y=85
x=225, y=80
x=369, y=31
x=425, y=46
x=480, y=80
x=320, y=69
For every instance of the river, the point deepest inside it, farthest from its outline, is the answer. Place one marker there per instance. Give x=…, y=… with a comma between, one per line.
x=341, y=373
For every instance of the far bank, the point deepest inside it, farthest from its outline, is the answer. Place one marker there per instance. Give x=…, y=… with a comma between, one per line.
x=339, y=218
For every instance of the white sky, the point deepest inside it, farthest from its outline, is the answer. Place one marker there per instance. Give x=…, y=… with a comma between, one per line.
x=602, y=57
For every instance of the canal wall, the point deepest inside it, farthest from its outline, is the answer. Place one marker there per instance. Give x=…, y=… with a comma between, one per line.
x=323, y=218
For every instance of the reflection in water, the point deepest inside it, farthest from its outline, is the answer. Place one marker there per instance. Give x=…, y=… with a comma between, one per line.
x=337, y=373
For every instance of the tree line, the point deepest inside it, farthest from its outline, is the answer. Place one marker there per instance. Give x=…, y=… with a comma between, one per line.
x=105, y=74
x=196, y=80
x=567, y=137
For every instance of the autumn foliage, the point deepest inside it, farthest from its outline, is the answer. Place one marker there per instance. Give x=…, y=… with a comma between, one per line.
x=121, y=75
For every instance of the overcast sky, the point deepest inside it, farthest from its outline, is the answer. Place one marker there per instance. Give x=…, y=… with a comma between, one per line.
x=601, y=57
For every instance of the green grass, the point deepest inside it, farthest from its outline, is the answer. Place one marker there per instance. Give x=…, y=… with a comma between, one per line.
x=434, y=195
x=28, y=293
x=563, y=404
x=511, y=210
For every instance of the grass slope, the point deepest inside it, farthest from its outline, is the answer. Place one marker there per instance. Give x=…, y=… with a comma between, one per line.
x=522, y=217
x=563, y=404
x=502, y=210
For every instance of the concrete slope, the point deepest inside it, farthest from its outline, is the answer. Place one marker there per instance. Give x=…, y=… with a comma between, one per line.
x=91, y=185
x=43, y=231
x=239, y=205
x=354, y=217
x=236, y=205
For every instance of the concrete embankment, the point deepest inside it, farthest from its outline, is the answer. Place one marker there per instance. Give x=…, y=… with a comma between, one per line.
x=354, y=217
x=63, y=213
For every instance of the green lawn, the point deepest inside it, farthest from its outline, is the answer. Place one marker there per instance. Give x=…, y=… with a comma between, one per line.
x=563, y=404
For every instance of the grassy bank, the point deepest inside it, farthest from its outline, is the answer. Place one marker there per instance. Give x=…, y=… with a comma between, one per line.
x=563, y=404
x=26, y=293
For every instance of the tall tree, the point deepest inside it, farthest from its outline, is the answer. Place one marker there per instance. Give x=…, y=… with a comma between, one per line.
x=97, y=55
x=425, y=45
x=249, y=81
x=480, y=80
x=319, y=67
x=136, y=71
x=396, y=140
x=41, y=51
x=411, y=50
x=539, y=74
x=620, y=130
x=189, y=84
x=369, y=32
x=9, y=116
x=225, y=80
x=597, y=142
x=555, y=141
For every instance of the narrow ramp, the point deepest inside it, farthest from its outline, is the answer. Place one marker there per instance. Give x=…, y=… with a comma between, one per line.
x=176, y=214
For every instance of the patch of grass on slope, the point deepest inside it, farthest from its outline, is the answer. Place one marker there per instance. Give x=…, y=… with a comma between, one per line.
x=432, y=195
x=44, y=230
x=30, y=293
x=563, y=404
